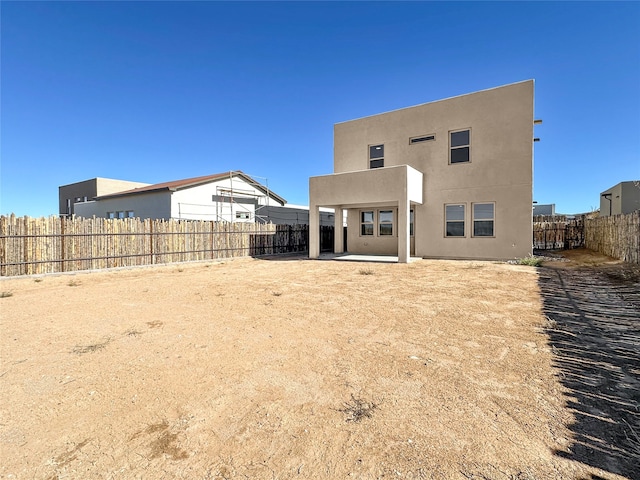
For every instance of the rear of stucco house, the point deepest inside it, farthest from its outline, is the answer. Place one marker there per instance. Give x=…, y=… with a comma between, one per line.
x=447, y=179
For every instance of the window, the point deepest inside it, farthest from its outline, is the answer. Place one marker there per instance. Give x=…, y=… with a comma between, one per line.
x=385, y=222
x=424, y=138
x=111, y=214
x=376, y=156
x=459, y=143
x=120, y=214
x=366, y=223
x=129, y=213
x=483, y=219
x=242, y=215
x=454, y=219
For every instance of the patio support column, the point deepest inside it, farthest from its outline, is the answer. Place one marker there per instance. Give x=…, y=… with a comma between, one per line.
x=314, y=231
x=338, y=231
x=404, y=239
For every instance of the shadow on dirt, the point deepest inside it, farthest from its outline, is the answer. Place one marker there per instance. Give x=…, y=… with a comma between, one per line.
x=594, y=330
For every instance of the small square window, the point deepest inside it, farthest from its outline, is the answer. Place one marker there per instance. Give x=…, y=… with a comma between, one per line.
x=129, y=213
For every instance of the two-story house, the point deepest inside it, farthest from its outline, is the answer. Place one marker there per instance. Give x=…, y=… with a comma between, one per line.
x=447, y=179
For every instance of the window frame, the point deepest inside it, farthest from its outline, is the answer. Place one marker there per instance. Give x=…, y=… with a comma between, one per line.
x=385, y=223
x=363, y=223
x=492, y=220
x=460, y=147
x=376, y=160
x=463, y=221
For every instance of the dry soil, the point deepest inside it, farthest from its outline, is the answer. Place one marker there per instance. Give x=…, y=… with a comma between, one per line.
x=279, y=369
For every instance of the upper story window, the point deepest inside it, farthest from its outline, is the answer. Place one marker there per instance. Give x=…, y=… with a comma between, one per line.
x=459, y=146
x=376, y=156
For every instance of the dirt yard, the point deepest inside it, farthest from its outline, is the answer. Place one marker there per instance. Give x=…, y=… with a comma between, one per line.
x=279, y=369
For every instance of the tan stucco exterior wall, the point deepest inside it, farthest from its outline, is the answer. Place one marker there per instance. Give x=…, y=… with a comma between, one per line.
x=500, y=121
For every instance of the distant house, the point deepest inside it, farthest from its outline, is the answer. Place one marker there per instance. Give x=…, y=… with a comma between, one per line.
x=620, y=199
x=446, y=179
x=231, y=197
x=79, y=192
x=544, y=209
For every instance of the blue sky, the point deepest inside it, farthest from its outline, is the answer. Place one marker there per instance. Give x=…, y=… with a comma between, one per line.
x=159, y=91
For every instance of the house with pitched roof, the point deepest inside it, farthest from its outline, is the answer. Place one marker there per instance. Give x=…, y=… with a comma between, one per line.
x=231, y=196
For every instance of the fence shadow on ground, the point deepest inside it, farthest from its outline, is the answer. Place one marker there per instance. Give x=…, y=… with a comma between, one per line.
x=594, y=332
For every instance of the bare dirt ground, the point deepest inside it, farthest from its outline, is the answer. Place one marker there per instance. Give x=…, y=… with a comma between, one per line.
x=292, y=368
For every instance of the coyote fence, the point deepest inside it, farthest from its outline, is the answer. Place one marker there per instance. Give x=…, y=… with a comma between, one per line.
x=48, y=245
x=617, y=236
x=558, y=232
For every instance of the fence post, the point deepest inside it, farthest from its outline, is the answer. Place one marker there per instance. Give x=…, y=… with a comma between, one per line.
x=62, y=244
x=151, y=240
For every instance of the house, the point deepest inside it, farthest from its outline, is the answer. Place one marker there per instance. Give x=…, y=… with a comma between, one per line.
x=446, y=179
x=544, y=209
x=69, y=195
x=230, y=196
x=620, y=199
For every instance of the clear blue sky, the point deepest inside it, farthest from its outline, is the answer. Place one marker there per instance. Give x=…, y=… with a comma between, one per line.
x=158, y=91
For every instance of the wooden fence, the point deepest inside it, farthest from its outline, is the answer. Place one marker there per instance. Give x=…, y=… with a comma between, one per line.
x=555, y=232
x=46, y=245
x=617, y=236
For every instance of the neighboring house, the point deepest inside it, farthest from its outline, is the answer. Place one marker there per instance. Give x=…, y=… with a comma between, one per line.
x=230, y=196
x=620, y=199
x=544, y=209
x=447, y=179
x=70, y=195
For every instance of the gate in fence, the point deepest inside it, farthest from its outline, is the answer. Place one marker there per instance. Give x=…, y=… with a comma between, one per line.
x=558, y=235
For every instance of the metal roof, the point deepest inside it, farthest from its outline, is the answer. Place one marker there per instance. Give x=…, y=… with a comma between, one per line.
x=175, y=185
